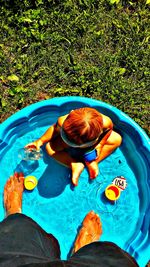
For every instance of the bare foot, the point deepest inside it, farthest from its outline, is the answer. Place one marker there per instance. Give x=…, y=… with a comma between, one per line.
x=77, y=168
x=90, y=232
x=13, y=193
x=93, y=169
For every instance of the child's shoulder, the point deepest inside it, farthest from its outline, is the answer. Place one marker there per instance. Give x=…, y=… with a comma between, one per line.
x=61, y=120
x=107, y=122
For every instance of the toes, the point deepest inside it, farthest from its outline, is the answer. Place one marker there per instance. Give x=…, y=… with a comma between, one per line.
x=97, y=217
x=17, y=178
x=8, y=183
x=13, y=182
x=21, y=177
x=16, y=175
x=11, y=178
x=91, y=215
x=75, y=180
x=93, y=169
x=77, y=168
x=88, y=218
x=92, y=219
x=93, y=174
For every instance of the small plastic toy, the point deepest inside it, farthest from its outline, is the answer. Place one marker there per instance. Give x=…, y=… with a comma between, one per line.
x=112, y=192
x=30, y=182
x=30, y=154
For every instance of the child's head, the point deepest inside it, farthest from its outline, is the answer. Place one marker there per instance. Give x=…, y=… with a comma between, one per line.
x=82, y=125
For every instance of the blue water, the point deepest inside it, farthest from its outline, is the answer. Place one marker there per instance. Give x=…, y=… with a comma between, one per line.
x=60, y=208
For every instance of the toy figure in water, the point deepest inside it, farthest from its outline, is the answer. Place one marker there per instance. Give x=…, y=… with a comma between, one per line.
x=84, y=137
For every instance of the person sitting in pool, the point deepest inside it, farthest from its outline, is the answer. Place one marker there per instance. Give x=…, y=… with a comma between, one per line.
x=24, y=243
x=74, y=135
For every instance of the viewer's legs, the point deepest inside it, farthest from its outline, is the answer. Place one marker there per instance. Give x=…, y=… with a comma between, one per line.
x=101, y=254
x=95, y=254
x=90, y=231
x=13, y=194
x=88, y=253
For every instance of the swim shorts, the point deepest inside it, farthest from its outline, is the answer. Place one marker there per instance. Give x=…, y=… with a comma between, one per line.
x=24, y=243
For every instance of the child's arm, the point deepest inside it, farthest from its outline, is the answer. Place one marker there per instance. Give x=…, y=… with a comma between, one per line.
x=43, y=139
x=107, y=131
x=107, y=123
x=109, y=142
x=47, y=136
x=52, y=131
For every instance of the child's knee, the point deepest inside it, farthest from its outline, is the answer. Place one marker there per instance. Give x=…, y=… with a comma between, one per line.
x=118, y=139
x=115, y=140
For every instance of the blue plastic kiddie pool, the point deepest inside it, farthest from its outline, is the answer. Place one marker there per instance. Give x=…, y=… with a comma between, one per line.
x=58, y=206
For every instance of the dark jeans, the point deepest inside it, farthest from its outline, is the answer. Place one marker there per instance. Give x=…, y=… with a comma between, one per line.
x=24, y=243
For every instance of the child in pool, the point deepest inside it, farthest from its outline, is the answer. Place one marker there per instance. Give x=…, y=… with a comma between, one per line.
x=75, y=134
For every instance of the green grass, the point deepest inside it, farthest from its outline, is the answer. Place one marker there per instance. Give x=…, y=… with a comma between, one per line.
x=81, y=47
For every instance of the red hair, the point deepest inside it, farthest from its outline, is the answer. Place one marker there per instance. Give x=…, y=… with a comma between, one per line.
x=83, y=125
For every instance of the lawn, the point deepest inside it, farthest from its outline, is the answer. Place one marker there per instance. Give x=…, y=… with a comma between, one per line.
x=86, y=48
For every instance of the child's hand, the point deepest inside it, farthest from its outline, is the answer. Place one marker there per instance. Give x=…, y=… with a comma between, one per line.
x=36, y=145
